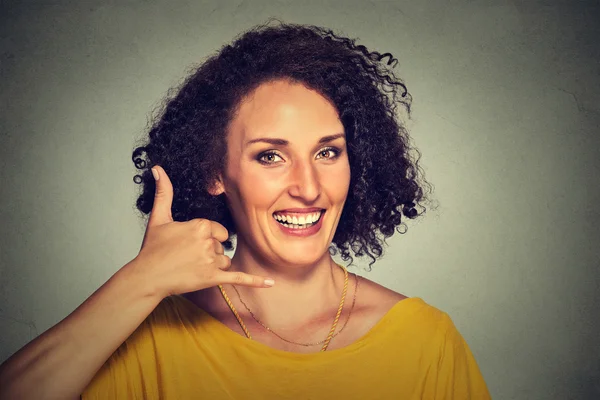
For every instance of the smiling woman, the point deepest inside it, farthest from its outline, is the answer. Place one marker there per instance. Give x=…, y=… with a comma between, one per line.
x=287, y=140
x=300, y=169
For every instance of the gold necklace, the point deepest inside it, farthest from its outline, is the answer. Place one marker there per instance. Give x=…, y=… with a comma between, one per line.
x=329, y=337
x=301, y=344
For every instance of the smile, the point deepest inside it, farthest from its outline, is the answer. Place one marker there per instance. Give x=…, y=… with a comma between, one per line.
x=298, y=221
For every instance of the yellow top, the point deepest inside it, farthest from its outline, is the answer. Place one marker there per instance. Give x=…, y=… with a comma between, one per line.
x=182, y=352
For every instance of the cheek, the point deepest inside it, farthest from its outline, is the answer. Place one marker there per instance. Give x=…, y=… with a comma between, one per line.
x=258, y=190
x=337, y=180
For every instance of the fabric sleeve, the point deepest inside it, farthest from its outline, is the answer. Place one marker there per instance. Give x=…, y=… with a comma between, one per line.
x=457, y=375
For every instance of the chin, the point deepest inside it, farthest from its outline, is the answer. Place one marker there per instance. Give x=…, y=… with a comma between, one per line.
x=307, y=257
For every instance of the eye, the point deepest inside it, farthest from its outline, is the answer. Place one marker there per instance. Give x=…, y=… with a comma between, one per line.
x=332, y=151
x=267, y=157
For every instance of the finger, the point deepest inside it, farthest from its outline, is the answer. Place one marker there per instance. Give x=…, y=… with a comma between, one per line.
x=218, y=231
x=163, y=199
x=223, y=261
x=243, y=279
x=218, y=247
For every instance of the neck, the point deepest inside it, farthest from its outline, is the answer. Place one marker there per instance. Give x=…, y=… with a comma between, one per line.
x=301, y=294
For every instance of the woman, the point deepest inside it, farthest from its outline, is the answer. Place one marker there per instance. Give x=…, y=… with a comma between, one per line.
x=286, y=140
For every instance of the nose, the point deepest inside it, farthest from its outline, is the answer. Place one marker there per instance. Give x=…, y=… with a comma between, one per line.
x=304, y=182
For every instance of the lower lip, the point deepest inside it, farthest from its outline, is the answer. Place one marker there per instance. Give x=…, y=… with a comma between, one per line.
x=303, y=232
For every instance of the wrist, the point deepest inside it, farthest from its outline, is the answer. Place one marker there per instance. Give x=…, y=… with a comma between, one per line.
x=136, y=274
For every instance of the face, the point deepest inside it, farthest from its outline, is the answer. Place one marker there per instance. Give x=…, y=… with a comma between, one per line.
x=287, y=161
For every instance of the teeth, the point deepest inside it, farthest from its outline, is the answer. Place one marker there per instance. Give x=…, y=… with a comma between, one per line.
x=297, y=222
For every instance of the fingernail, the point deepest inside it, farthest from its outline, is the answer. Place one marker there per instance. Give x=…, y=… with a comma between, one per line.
x=269, y=282
x=155, y=173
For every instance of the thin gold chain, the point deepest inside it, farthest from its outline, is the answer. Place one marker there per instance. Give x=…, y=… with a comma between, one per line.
x=302, y=344
x=329, y=337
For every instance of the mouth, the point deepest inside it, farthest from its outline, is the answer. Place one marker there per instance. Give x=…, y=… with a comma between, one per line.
x=298, y=220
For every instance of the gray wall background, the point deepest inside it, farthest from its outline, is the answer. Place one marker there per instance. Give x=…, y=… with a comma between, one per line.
x=506, y=115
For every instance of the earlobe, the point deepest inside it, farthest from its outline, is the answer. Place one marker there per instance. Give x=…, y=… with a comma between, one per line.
x=217, y=187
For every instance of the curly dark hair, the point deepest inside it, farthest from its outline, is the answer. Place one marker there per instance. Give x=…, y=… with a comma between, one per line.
x=187, y=137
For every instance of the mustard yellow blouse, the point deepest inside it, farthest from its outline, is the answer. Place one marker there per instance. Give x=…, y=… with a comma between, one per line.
x=182, y=352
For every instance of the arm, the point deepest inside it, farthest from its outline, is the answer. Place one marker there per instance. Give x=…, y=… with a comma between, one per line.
x=175, y=258
x=61, y=362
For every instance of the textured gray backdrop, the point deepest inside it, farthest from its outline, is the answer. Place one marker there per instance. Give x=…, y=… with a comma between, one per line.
x=506, y=115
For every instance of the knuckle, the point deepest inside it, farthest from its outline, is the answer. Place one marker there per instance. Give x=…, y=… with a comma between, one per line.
x=200, y=226
x=209, y=259
x=239, y=278
x=209, y=247
x=208, y=277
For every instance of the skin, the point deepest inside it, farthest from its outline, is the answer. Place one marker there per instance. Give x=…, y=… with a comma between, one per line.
x=304, y=173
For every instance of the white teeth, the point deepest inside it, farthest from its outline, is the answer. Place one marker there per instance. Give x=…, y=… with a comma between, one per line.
x=295, y=221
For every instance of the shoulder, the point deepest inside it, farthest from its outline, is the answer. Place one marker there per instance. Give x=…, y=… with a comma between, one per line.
x=417, y=313
x=375, y=296
x=375, y=301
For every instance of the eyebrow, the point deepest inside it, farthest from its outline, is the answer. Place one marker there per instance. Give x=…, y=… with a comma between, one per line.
x=283, y=142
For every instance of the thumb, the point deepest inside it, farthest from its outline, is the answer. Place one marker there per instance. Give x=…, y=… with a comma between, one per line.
x=163, y=198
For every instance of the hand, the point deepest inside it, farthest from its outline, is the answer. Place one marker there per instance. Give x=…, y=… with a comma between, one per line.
x=181, y=257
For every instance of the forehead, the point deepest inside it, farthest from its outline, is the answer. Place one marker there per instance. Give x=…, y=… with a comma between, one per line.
x=284, y=109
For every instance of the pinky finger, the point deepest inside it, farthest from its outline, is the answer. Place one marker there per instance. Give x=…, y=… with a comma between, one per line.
x=241, y=278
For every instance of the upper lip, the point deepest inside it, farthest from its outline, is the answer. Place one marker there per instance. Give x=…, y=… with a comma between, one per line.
x=300, y=210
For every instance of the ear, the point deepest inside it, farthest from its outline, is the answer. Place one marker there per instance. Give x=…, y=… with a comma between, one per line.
x=217, y=187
